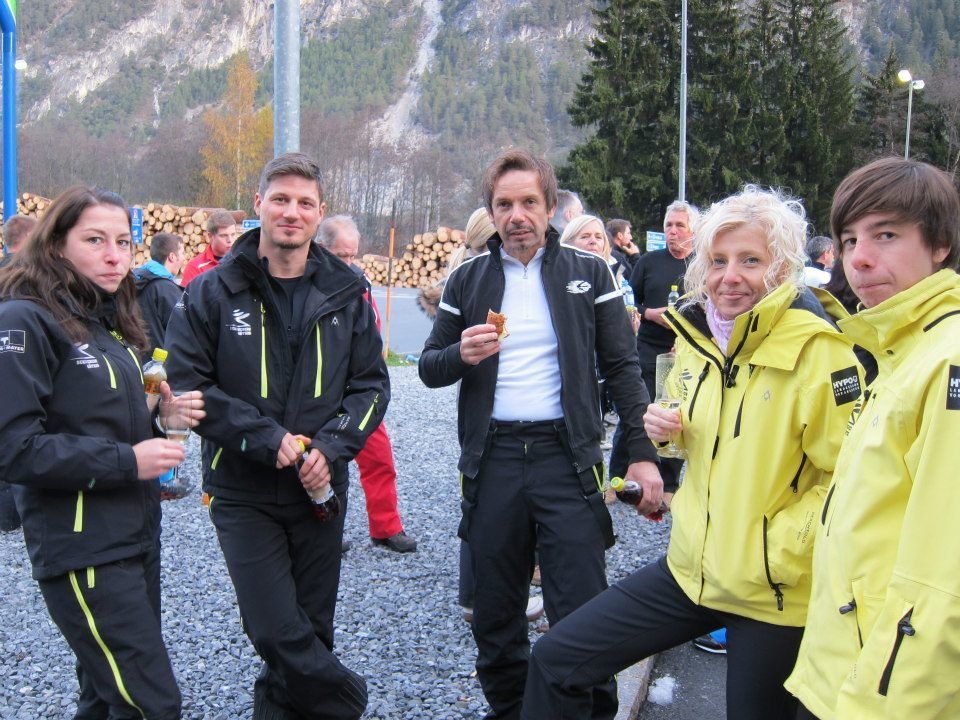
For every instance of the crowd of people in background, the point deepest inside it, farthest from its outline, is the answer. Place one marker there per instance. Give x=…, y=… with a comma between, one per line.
x=799, y=435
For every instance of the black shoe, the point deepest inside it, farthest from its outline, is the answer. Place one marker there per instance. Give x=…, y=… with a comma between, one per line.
x=401, y=542
x=345, y=545
x=709, y=644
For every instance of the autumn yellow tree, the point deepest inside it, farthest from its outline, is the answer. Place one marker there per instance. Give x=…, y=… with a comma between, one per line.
x=239, y=140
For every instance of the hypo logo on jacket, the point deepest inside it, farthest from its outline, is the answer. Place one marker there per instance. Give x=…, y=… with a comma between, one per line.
x=846, y=385
x=578, y=287
x=13, y=341
x=240, y=325
x=953, y=388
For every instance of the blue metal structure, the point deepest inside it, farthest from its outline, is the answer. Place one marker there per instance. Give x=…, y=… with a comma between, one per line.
x=8, y=24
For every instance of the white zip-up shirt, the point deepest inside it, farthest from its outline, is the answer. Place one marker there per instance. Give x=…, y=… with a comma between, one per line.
x=528, y=375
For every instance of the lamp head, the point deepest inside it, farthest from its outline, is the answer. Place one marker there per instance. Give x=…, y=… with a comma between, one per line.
x=905, y=76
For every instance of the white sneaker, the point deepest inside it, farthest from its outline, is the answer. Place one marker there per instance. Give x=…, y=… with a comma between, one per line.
x=534, y=608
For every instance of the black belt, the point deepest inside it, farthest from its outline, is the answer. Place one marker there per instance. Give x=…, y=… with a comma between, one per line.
x=512, y=426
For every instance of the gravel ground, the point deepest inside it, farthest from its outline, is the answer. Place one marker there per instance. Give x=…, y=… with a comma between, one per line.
x=398, y=621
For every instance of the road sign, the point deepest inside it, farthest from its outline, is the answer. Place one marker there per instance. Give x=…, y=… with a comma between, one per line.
x=655, y=240
x=251, y=224
x=136, y=220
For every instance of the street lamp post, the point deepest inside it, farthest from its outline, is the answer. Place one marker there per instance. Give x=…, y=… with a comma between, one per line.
x=683, y=103
x=912, y=85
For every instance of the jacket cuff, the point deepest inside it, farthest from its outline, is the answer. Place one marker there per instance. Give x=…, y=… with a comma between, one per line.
x=642, y=449
x=127, y=462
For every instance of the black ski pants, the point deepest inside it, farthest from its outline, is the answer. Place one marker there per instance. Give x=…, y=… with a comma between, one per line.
x=285, y=568
x=644, y=614
x=110, y=617
x=527, y=492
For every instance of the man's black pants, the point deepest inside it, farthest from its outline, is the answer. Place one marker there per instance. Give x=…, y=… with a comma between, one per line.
x=648, y=613
x=110, y=617
x=285, y=568
x=528, y=492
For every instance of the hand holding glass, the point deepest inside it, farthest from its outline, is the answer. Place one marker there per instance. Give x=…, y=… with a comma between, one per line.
x=665, y=363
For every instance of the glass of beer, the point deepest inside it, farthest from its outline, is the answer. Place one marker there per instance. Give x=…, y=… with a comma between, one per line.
x=176, y=422
x=666, y=400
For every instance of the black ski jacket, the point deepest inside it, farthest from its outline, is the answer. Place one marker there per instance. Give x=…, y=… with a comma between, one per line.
x=593, y=330
x=227, y=338
x=156, y=297
x=70, y=417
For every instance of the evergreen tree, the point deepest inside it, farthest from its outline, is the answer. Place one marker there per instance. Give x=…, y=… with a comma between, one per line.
x=817, y=102
x=764, y=48
x=881, y=110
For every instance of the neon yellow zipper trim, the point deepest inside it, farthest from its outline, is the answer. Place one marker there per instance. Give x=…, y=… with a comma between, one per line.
x=599, y=479
x=113, y=378
x=366, y=418
x=78, y=518
x=263, y=352
x=91, y=623
x=136, y=360
x=216, y=459
x=318, y=386
x=91, y=579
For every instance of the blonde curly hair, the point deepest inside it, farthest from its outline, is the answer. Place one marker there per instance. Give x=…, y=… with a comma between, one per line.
x=780, y=219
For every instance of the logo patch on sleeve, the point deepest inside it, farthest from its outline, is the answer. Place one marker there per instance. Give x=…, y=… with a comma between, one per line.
x=953, y=388
x=846, y=385
x=13, y=341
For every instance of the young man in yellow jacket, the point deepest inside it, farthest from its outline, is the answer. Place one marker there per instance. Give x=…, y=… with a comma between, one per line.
x=883, y=628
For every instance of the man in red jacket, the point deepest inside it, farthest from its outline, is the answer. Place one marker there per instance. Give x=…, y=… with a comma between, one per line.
x=378, y=475
x=220, y=232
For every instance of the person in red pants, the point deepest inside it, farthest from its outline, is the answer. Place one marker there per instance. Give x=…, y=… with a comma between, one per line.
x=378, y=474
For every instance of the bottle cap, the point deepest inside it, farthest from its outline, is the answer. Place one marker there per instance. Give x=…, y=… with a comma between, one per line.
x=159, y=354
x=616, y=483
x=673, y=288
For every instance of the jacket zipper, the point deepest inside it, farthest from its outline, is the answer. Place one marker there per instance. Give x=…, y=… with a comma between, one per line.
x=904, y=628
x=263, y=351
x=848, y=608
x=366, y=418
x=736, y=425
x=777, y=592
x=826, y=505
x=795, y=483
x=696, y=392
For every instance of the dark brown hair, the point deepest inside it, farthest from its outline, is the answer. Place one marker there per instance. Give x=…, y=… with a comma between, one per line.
x=162, y=244
x=910, y=191
x=41, y=274
x=519, y=159
x=293, y=163
x=219, y=219
x=617, y=226
x=16, y=229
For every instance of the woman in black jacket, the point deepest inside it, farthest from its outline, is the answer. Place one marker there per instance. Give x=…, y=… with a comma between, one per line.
x=76, y=443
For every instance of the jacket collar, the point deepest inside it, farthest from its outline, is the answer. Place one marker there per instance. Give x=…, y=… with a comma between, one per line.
x=154, y=268
x=892, y=327
x=330, y=277
x=549, y=253
x=787, y=316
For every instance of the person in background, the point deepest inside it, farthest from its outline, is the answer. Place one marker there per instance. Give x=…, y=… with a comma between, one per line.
x=286, y=351
x=220, y=232
x=882, y=637
x=157, y=289
x=15, y=231
x=766, y=385
x=568, y=208
x=620, y=234
x=76, y=443
x=378, y=473
x=819, y=249
x=529, y=425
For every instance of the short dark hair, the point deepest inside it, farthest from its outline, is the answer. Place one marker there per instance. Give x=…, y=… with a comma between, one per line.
x=162, y=244
x=520, y=159
x=817, y=246
x=617, y=226
x=219, y=219
x=293, y=163
x=16, y=229
x=911, y=191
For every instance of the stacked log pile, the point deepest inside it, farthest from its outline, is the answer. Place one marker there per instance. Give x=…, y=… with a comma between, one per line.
x=420, y=264
x=187, y=222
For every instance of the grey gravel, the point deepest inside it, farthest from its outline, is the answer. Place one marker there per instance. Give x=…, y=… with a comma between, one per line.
x=398, y=621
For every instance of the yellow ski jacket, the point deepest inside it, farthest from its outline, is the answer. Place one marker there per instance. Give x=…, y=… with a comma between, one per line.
x=883, y=637
x=763, y=427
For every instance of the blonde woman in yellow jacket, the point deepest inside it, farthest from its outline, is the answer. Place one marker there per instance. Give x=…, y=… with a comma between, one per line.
x=766, y=385
x=883, y=630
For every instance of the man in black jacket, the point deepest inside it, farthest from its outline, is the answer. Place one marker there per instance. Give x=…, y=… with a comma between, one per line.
x=287, y=353
x=157, y=289
x=529, y=419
